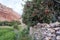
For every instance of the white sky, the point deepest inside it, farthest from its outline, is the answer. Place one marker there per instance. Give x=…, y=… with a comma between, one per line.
x=14, y=4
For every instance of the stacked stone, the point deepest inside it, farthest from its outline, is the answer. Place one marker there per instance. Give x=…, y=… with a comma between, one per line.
x=46, y=31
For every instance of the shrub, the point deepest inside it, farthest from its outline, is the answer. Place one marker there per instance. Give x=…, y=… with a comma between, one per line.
x=12, y=23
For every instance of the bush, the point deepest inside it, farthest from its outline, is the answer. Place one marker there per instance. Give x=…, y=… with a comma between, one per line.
x=12, y=23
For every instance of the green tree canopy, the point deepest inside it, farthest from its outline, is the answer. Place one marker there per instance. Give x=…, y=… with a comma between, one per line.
x=40, y=11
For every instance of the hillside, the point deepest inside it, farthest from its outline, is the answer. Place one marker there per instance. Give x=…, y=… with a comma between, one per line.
x=8, y=14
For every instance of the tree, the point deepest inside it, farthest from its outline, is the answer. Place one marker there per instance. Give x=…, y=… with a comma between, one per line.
x=40, y=11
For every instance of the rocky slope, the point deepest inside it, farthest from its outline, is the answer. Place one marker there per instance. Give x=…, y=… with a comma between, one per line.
x=7, y=14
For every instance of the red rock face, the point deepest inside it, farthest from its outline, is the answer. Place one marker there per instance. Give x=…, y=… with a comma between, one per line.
x=7, y=14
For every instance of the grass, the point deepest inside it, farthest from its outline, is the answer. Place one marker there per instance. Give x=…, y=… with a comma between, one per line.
x=7, y=34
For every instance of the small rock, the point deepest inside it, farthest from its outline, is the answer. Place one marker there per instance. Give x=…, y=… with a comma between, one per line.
x=48, y=38
x=56, y=24
x=58, y=32
x=58, y=37
x=51, y=30
x=58, y=28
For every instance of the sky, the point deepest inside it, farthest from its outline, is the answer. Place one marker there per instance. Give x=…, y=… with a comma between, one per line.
x=14, y=4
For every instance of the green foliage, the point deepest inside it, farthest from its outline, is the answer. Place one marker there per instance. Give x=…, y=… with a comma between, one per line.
x=14, y=33
x=12, y=23
x=32, y=12
x=39, y=11
x=24, y=35
x=6, y=34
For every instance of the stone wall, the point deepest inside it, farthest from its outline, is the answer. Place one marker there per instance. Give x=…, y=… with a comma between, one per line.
x=45, y=31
